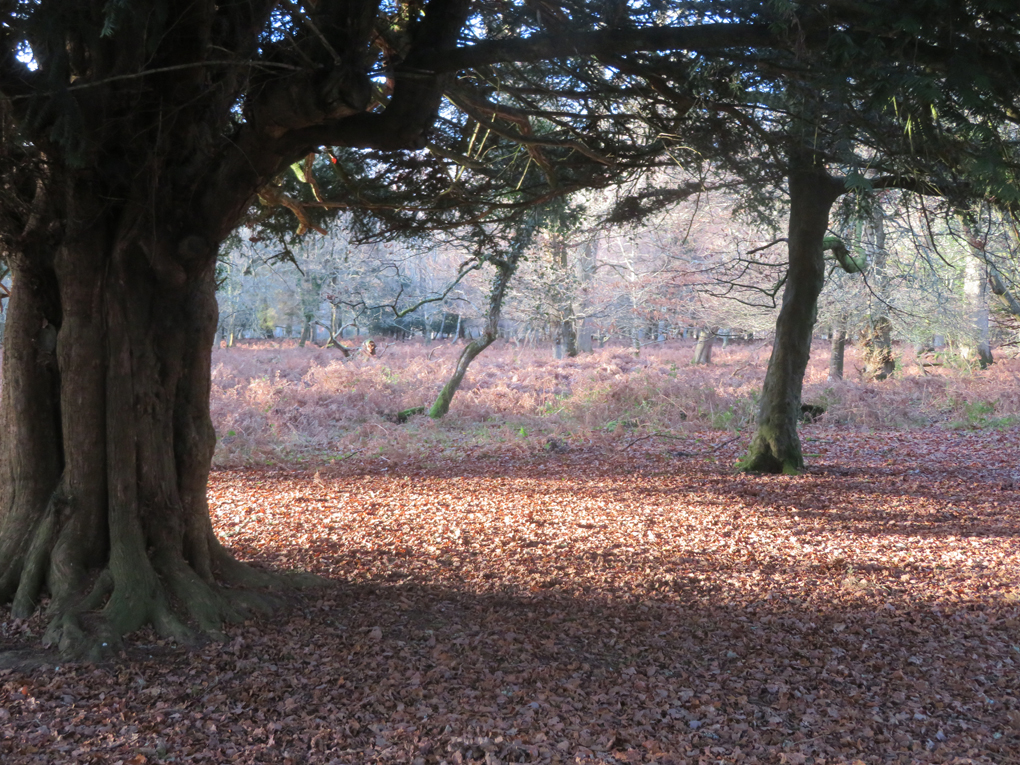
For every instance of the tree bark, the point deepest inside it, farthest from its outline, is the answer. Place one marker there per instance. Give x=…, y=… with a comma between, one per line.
x=879, y=362
x=106, y=441
x=837, y=352
x=703, y=349
x=505, y=270
x=776, y=445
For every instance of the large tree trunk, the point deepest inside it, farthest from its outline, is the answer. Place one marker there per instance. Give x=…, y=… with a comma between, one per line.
x=106, y=447
x=116, y=194
x=776, y=445
x=977, y=344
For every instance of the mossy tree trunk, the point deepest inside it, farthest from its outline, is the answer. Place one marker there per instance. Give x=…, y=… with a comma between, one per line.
x=776, y=445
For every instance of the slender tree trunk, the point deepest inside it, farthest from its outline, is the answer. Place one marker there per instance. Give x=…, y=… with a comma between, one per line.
x=999, y=288
x=504, y=273
x=586, y=269
x=565, y=332
x=569, y=335
x=585, y=342
x=837, y=352
x=306, y=331
x=879, y=362
x=776, y=445
x=977, y=345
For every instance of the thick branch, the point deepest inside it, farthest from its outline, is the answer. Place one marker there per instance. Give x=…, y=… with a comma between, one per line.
x=703, y=37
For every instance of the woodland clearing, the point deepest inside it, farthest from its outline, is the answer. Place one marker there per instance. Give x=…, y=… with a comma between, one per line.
x=565, y=572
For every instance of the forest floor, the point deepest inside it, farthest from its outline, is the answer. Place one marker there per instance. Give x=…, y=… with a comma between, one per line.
x=577, y=598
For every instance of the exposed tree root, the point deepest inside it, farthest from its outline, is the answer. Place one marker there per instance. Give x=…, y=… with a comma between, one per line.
x=34, y=567
x=26, y=660
x=164, y=592
x=90, y=615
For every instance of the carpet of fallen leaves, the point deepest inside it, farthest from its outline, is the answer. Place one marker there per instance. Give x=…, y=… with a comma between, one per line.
x=587, y=605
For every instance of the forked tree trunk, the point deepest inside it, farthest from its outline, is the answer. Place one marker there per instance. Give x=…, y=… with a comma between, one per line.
x=776, y=445
x=106, y=447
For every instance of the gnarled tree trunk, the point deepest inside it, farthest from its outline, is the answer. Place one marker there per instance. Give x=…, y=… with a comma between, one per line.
x=107, y=443
x=776, y=445
x=130, y=149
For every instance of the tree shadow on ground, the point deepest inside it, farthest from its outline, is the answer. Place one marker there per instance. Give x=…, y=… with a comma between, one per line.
x=404, y=672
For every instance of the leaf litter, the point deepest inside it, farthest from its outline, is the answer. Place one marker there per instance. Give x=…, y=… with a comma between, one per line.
x=595, y=605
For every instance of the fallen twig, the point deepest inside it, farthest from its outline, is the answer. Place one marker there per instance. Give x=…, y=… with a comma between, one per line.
x=705, y=453
x=645, y=438
x=680, y=438
x=349, y=455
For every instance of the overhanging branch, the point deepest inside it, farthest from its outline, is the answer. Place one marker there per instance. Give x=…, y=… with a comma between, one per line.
x=703, y=37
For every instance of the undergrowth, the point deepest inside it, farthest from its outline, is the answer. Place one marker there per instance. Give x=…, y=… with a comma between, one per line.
x=279, y=403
